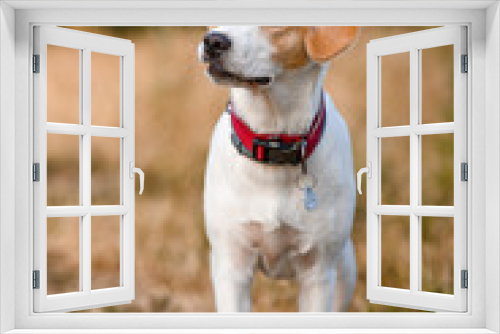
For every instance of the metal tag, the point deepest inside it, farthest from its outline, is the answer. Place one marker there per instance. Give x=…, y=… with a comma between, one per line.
x=309, y=199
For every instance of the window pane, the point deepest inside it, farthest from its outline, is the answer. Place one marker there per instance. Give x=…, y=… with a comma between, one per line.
x=63, y=255
x=395, y=251
x=63, y=85
x=437, y=169
x=437, y=254
x=105, y=252
x=395, y=89
x=105, y=89
x=63, y=170
x=105, y=171
x=437, y=84
x=395, y=171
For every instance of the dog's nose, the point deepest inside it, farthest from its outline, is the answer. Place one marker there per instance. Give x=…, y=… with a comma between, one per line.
x=216, y=43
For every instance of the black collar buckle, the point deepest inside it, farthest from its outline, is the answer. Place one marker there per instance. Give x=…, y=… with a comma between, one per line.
x=275, y=151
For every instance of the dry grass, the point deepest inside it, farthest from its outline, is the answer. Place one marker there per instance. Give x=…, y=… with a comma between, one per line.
x=176, y=109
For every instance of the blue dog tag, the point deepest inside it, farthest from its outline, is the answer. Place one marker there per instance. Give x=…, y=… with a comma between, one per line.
x=309, y=198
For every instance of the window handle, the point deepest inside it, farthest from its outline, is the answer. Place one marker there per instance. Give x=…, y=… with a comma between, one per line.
x=138, y=171
x=368, y=171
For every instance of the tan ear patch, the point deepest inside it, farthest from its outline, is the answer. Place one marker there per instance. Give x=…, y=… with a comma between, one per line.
x=289, y=48
x=324, y=43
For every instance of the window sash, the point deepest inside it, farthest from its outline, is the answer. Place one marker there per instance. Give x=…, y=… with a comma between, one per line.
x=413, y=43
x=87, y=43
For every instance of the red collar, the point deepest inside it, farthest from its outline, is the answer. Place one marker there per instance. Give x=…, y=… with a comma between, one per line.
x=277, y=148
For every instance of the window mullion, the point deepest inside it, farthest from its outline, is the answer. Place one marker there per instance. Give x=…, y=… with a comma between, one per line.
x=122, y=181
x=419, y=168
x=85, y=167
x=414, y=170
x=80, y=159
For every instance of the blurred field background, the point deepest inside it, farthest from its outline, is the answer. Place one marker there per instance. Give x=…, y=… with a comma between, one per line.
x=176, y=109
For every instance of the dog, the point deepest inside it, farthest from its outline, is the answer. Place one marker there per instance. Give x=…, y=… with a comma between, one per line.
x=279, y=191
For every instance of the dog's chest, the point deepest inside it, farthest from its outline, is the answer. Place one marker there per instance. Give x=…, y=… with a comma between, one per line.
x=282, y=251
x=275, y=197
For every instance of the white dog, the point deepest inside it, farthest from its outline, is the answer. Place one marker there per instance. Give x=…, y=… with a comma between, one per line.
x=279, y=187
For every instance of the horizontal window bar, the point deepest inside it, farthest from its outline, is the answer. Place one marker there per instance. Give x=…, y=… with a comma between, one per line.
x=67, y=211
x=420, y=210
x=77, y=129
x=433, y=129
x=392, y=131
x=392, y=210
x=423, y=129
x=105, y=131
x=109, y=210
x=67, y=295
x=105, y=290
x=96, y=210
x=434, y=211
x=435, y=294
x=67, y=129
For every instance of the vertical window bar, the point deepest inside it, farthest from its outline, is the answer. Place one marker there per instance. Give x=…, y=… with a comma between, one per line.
x=123, y=163
x=82, y=186
x=378, y=189
x=414, y=166
x=85, y=165
x=418, y=167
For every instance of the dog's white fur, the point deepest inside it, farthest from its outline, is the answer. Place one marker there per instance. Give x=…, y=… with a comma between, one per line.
x=254, y=213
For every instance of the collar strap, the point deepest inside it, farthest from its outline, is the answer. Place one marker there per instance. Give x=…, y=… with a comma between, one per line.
x=279, y=149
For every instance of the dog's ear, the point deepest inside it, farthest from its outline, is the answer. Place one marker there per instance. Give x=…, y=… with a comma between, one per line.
x=324, y=43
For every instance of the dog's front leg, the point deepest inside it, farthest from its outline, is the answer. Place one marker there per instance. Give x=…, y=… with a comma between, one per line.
x=316, y=288
x=346, y=277
x=232, y=273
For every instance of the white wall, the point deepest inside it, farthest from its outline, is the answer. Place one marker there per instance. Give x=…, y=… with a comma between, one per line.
x=7, y=160
x=492, y=163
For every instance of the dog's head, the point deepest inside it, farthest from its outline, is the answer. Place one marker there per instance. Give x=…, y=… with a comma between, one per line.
x=249, y=56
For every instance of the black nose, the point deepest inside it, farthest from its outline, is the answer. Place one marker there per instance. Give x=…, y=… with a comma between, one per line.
x=216, y=43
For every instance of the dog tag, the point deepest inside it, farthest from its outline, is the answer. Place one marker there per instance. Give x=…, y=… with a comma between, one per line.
x=309, y=198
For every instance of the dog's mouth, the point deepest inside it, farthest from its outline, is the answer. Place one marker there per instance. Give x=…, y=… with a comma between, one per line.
x=217, y=71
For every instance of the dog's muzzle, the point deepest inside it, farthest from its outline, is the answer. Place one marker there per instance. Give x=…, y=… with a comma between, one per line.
x=215, y=45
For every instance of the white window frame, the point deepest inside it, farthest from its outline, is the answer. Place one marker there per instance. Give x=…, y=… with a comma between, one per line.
x=16, y=215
